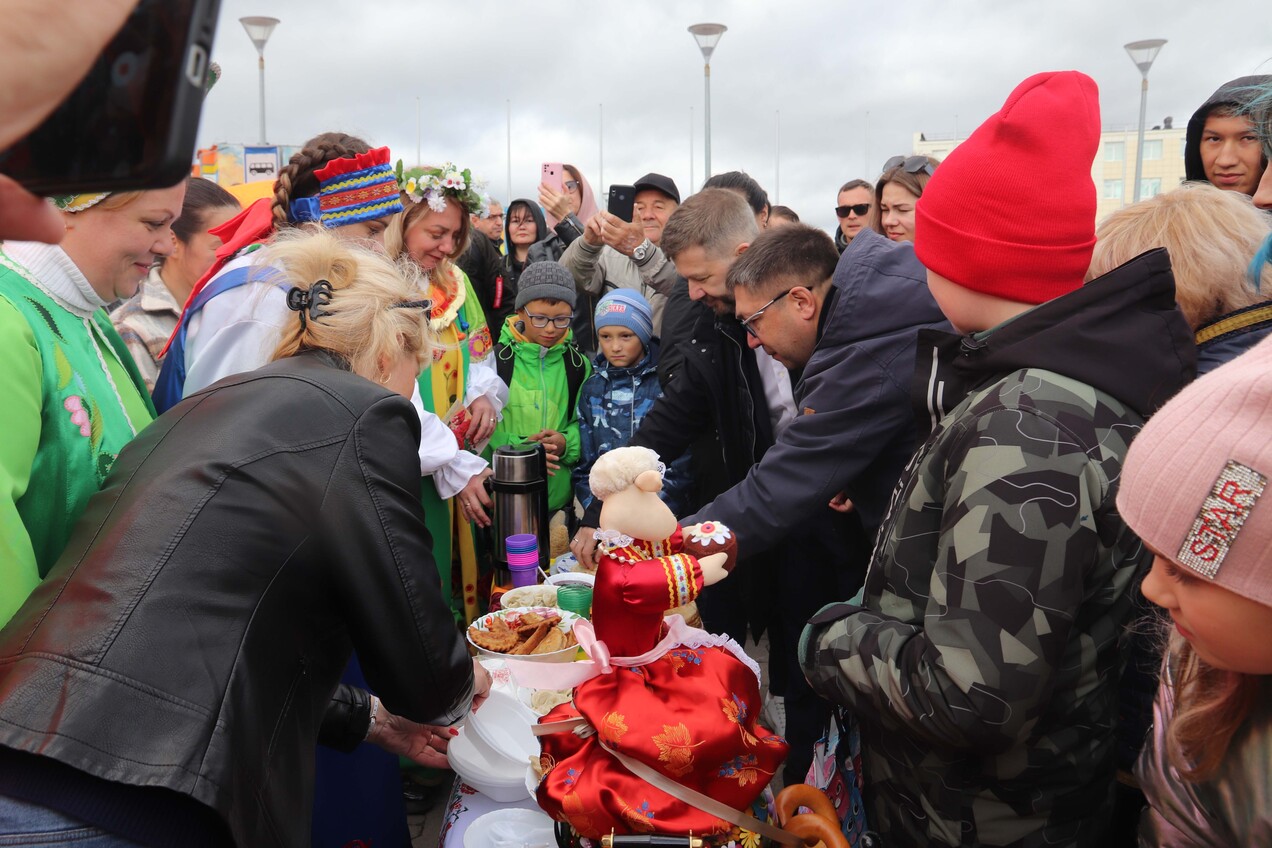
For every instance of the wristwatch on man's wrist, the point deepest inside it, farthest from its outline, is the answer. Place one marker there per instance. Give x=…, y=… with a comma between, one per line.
x=641, y=252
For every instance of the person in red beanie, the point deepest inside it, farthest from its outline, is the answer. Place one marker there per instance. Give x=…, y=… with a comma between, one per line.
x=982, y=659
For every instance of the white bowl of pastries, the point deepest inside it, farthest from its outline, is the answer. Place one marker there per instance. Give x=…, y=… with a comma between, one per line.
x=540, y=634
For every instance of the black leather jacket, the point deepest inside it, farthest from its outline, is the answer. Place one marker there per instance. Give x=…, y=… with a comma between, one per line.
x=192, y=634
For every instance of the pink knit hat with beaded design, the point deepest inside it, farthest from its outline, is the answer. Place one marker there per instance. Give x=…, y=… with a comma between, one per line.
x=1194, y=484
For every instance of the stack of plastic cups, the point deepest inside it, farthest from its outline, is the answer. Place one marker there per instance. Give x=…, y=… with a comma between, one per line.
x=523, y=558
x=575, y=598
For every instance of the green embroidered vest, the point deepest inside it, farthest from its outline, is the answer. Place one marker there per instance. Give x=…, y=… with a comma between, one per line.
x=83, y=423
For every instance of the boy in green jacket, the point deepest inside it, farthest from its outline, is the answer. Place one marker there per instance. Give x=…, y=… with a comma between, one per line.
x=537, y=358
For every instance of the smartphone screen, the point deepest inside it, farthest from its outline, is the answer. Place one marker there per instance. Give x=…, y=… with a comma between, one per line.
x=552, y=176
x=131, y=123
x=621, y=199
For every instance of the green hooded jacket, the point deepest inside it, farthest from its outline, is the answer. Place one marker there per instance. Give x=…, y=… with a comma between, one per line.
x=539, y=399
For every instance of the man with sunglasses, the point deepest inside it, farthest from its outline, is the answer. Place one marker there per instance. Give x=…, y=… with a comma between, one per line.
x=856, y=198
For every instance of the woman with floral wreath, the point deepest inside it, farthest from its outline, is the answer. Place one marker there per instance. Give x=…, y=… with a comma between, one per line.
x=461, y=386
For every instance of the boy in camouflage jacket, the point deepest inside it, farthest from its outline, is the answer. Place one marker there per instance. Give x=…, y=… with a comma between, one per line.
x=982, y=659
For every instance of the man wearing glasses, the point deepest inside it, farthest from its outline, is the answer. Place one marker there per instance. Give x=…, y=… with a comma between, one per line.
x=856, y=199
x=846, y=327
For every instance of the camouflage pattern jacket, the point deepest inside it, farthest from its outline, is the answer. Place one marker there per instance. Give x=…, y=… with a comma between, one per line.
x=983, y=662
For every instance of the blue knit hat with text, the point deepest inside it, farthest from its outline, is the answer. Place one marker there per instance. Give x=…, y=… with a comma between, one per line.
x=626, y=308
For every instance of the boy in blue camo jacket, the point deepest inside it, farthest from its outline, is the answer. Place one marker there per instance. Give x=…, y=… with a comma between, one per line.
x=983, y=659
x=621, y=390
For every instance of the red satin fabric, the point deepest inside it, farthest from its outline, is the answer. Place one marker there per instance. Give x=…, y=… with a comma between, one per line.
x=691, y=715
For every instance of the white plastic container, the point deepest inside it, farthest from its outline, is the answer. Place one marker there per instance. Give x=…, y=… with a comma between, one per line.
x=499, y=780
x=500, y=730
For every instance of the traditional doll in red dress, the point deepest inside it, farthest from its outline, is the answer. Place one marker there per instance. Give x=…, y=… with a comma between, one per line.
x=676, y=699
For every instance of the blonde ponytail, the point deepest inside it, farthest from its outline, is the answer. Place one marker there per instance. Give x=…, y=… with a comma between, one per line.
x=359, y=322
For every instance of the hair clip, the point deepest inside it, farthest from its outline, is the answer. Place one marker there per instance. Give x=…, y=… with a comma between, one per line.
x=413, y=304
x=310, y=301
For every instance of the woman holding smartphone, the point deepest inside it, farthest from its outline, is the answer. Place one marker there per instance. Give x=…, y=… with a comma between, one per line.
x=73, y=396
x=568, y=202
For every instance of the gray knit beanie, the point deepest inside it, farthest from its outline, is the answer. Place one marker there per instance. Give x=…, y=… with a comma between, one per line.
x=545, y=280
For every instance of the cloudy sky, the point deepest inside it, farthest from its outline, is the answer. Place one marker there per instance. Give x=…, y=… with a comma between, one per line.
x=852, y=80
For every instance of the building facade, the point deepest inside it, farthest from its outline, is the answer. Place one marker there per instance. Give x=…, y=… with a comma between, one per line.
x=1113, y=170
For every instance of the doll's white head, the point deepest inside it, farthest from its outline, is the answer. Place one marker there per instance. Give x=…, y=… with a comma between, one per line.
x=628, y=480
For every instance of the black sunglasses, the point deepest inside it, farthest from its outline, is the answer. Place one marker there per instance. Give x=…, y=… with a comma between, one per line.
x=910, y=164
x=858, y=209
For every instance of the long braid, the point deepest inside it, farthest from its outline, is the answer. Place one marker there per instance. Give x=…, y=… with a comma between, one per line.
x=296, y=179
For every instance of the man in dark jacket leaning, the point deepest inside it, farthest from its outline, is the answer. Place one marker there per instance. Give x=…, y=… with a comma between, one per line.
x=846, y=328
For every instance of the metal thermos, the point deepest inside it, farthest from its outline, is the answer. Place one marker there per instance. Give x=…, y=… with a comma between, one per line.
x=520, y=492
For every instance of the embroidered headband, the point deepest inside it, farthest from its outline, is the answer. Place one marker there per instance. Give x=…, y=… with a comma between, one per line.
x=351, y=189
x=79, y=202
x=434, y=185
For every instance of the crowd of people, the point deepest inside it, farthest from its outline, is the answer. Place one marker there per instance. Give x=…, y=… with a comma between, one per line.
x=962, y=443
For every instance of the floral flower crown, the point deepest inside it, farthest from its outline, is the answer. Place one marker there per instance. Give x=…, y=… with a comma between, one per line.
x=434, y=185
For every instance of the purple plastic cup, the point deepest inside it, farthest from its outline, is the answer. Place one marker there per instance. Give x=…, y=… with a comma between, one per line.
x=524, y=575
x=520, y=542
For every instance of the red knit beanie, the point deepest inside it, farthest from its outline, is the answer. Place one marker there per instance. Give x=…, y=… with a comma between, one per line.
x=1011, y=211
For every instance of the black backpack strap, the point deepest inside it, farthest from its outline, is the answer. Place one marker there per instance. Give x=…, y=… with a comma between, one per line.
x=504, y=361
x=575, y=373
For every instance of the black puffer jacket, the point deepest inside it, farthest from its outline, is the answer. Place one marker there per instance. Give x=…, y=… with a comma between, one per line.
x=192, y=634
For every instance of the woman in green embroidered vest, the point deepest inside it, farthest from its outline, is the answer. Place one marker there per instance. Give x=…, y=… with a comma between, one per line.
x=72, y=394
x=461, y=386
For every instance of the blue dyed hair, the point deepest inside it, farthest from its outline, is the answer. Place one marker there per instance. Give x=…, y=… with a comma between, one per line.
x=1262, y=257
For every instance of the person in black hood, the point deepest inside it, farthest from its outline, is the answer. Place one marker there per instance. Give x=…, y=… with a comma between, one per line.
x=524, y=225
x=1222, y=145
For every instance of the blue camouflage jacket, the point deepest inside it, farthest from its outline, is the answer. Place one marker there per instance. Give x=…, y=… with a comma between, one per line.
x=612, y=403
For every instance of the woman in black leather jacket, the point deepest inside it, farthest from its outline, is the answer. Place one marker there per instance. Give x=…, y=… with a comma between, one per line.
x=167, y=682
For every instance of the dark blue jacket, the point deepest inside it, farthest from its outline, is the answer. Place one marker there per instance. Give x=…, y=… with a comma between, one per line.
x=612, y=403
x=854, y=421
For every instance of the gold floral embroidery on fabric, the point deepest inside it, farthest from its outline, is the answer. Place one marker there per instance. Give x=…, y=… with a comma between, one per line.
x=638, y=819
x=612, y=728
x=744, y=769
x=580, y=818
x=735, y=710
x=675, y=748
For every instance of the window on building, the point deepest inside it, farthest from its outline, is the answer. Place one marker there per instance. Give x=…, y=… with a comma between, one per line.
x=1114, y=151
x=1112, y=189
x=1153, y=149
x=1150, y=187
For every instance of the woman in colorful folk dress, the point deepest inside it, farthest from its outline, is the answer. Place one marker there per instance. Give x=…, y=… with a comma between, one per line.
x=461, y=386
x=73, y=396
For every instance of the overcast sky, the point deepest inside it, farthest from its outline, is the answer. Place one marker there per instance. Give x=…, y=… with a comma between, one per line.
x=852, y=81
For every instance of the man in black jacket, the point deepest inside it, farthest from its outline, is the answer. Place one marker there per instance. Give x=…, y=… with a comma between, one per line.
x=730, y=401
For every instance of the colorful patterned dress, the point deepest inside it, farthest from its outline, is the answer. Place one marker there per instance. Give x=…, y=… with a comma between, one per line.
x=689, y=713
x=462, y=341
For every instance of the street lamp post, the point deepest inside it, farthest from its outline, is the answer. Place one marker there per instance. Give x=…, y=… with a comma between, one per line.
x=707, y=36
x=1142, y=53
x=259, y=29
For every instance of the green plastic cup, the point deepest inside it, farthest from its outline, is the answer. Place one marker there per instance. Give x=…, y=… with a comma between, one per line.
x=575, y=599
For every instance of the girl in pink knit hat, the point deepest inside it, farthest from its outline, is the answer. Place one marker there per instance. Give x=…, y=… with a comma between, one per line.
x=1194, y=490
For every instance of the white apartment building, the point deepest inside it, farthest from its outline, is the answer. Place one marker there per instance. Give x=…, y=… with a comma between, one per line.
x=1113, y=170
